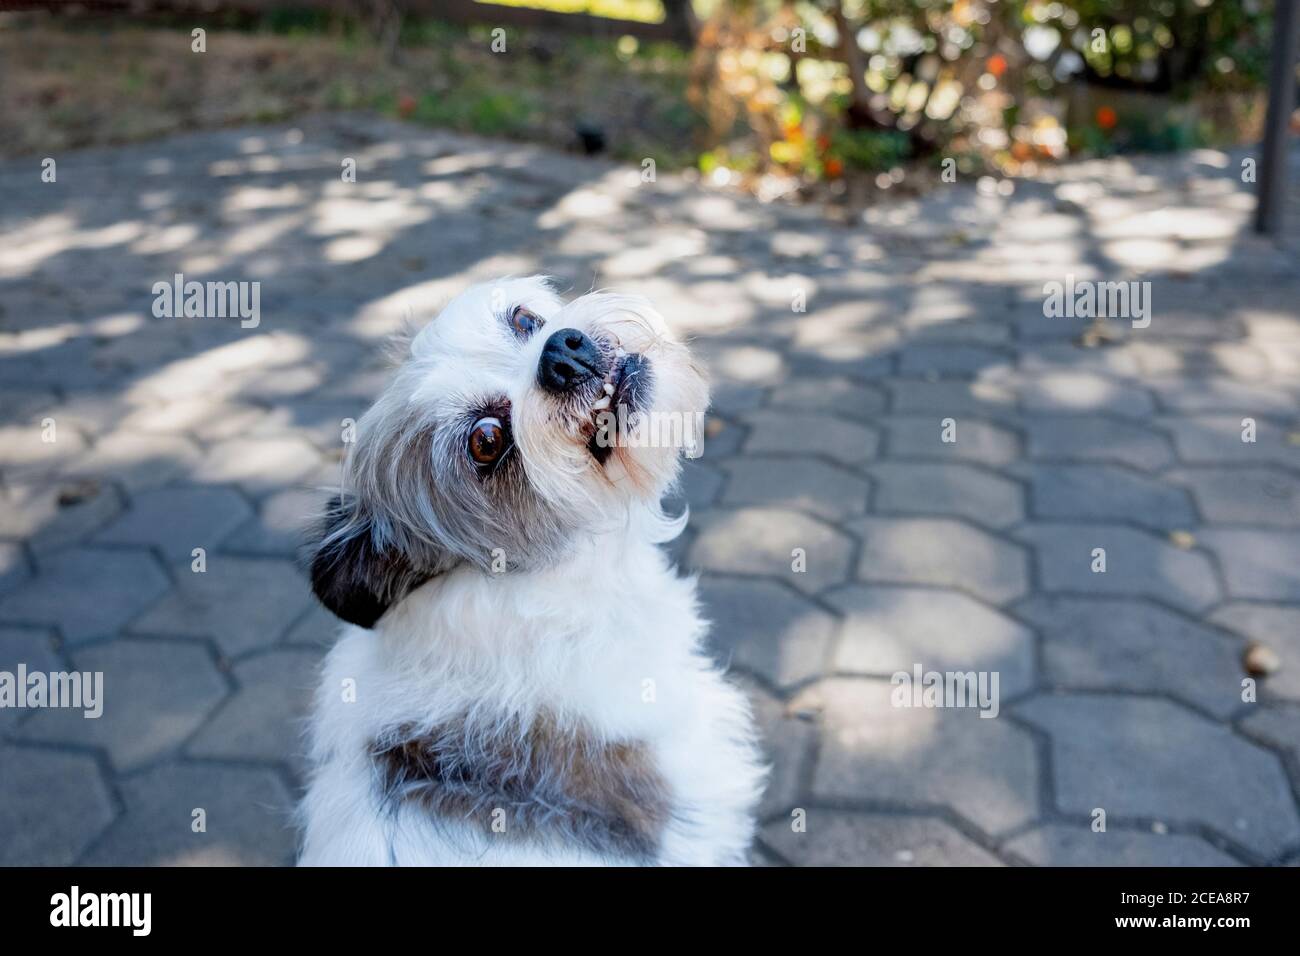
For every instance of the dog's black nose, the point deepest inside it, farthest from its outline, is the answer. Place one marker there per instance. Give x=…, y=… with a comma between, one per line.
x=569, y=358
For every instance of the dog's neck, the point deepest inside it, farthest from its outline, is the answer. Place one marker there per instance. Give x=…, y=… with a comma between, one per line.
x=609, y=620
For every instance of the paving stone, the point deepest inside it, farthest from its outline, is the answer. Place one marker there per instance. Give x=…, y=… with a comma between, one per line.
x=1264, y=496
x=983, y=769
x=86, y=592
x=316, y=627
x=259, y=465
x=940, y=552
x=32, y=647
x=26, y=404
x=24, y=453
x=949, y=359
x=136, y=461
x=766, y=628
x=700, y=484
x=787, y=742
x=281, y=525
x=929, y=304
x=155, y=694
x=1059, y=844
x=837, y=396
x=961, y=333
x=1187, y=394
x=13, y=567
x=1283, y=360
x=319, y=420
x=247, y=815
x=763, y=541
x=1217, y=440
x=219, y=372
x=1271, y=325
x=1277, y=726
x=241, y=603
x=840, y=343
x=921, y=436
x=914, y=488
x=1105, y=493
x=862, y=356
x=1092, y=438
x=1037, y=330
x=264, y=719
x=178, y=520
x=51, y=807
x=742, y=365
x=204, y=418
x=732, y=398
x=1258, y=564
x=50, y=515
x=1117, y=359
x=803, y=484
x=891, y=629
x=1101, y=643
x=950, y=399
x=1152, y=759
x=91, y=412
x=721, y=438
x=1138, y=564
x=1276, y=626
x=823, y=413
x=794, y=433
x=837, y=838
x=1084, y=392
x=294, y=381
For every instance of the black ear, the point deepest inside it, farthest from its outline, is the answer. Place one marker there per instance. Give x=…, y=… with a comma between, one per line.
x=351, y=574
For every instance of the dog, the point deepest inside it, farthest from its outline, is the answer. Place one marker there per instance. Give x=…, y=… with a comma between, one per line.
x=520, y=678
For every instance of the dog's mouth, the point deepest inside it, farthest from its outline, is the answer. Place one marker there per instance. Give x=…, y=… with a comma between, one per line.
x=622, y=395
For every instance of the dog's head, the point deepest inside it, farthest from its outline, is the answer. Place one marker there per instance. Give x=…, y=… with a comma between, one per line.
x=515, y=427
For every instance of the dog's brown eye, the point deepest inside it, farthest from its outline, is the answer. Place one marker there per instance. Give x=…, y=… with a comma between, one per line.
x=487, y=441
x=524, y=321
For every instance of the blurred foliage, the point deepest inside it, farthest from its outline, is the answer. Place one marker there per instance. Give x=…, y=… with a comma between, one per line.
x=811, y=89
x=775, y=96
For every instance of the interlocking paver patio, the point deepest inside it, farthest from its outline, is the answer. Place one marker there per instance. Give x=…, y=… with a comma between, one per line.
x=1125, y=689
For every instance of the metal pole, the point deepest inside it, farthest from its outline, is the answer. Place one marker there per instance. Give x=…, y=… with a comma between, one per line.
x=1271, y=200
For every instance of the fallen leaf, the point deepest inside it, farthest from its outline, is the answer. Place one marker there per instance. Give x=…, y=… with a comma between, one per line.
x=77, y=492
x=1260, y=660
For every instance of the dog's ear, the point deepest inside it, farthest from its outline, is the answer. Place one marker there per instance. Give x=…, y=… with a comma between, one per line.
x=351, y=574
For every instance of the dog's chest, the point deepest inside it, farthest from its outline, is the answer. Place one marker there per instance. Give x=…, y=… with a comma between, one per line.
x=539, y=782
x=652, y=761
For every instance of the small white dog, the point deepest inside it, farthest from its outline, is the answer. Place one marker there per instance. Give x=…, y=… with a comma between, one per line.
x=521, y=679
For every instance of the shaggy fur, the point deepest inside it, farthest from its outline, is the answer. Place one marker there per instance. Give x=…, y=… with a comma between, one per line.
x=545, y=783
x=516, y=640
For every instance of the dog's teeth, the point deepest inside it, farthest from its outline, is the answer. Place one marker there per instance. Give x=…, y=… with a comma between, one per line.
x=602, y=404
x=609, y=388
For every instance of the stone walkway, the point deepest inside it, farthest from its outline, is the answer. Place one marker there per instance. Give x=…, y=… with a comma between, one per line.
x=1119, y=691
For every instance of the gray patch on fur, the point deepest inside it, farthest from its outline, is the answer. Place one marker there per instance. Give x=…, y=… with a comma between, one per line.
x=555, y=785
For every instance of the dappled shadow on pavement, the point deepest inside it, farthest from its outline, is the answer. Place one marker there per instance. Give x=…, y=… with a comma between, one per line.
x=840, y=535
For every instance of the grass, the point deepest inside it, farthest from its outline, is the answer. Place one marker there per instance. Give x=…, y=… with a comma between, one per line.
x=90, y=84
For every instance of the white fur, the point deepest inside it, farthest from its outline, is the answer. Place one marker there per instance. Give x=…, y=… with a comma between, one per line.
x=607, y=637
